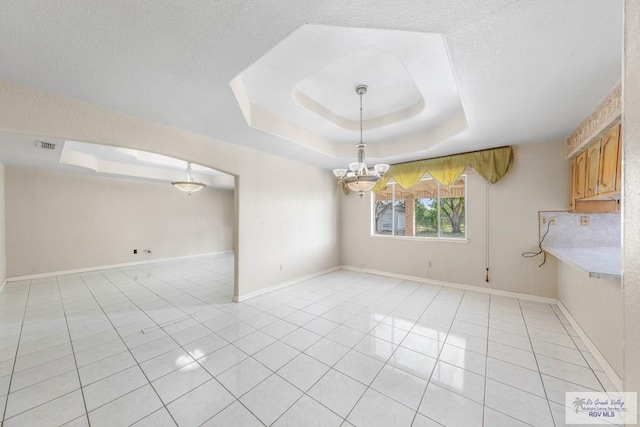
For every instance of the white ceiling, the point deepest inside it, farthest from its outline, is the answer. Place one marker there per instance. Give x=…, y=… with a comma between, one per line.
x=303, y=90
x=526, y=70
x=102, y=160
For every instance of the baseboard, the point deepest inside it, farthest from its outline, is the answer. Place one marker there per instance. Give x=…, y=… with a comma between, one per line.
x=473, y=288
x=3, y=284
x=106, y=267
x=608, y=370
x=244, y=297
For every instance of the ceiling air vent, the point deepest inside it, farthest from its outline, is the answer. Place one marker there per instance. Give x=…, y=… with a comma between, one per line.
x=46, y=145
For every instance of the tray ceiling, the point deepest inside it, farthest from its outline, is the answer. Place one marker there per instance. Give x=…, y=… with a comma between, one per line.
x=525, y=71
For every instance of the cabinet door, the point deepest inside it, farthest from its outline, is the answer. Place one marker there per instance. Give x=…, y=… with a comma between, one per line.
x=593, y=167
x=609, y=161
x=619, y=168
x=572, y=186
x=580, y=174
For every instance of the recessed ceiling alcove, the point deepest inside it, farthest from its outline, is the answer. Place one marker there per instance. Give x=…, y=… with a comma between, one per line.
x=303, y=90
x=329, y=91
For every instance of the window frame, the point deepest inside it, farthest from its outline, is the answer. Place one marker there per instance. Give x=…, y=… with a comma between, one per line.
x=464, y=239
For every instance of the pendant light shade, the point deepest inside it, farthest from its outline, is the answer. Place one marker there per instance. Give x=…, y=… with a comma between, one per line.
x=189, y=184
x=359, y=177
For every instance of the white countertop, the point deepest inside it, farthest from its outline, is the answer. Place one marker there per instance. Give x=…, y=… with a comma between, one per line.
x=598, y=261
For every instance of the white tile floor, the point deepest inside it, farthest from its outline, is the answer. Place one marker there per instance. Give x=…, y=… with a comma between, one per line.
x=163, y=345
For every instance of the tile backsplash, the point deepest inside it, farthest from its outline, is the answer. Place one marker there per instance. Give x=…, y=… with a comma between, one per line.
x=604, y=229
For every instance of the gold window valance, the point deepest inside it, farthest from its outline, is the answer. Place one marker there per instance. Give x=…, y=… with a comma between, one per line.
x=491, y=164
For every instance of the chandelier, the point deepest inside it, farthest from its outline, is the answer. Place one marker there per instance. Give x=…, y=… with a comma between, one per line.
x=359, y=177
x=189, y=184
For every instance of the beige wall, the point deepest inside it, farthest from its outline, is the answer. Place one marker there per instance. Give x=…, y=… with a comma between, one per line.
x=61, y=221
x=631, y=196
x=285, y=210
x=596, y=305
x=537, y=181
x=3, y=252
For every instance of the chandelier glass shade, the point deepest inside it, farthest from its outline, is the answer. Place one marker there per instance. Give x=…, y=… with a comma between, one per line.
x=359, y=177
x=189, y=184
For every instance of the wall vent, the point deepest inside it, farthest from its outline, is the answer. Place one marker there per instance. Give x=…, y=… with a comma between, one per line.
x=46, y=145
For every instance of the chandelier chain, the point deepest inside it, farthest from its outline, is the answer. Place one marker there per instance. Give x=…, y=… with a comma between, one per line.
x=361, y=117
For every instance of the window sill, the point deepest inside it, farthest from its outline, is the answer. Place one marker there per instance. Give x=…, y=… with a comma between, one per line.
x=422, y=239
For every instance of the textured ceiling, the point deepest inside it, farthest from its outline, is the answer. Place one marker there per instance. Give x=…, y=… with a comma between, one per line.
x=303, y=90
x=527, y=70
x=102, y=160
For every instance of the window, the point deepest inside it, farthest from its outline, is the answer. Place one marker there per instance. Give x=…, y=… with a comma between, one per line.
x=428, y=210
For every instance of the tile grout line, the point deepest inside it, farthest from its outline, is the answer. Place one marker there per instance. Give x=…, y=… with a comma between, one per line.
x=391, y=355
x=544, y=388
x=128, y=349
x=158, y=267
x=159, y=325
x=66, y=321
x=127, y=296
x=522, y=367
x=486, y=364
x=505, y=361
x=303, y=352
x=304, y=393
x=485, y=377
x=424, y=393
x=44, y=403
x=581, y=354
x=183, y=349
x=171, y=286
x=328, y=300
x=15, y=360
x=249, y=356
x=400, y=345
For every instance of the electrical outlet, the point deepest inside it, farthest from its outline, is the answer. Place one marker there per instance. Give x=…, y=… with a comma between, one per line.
x=548, y=219
x=281, y=267
x=585, y=220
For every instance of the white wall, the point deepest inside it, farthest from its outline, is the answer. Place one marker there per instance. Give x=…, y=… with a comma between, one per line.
x=280, y=219
x=3, y=252
x=537, y=181
x=631, y=196
x=61, y=221
x=596, y=305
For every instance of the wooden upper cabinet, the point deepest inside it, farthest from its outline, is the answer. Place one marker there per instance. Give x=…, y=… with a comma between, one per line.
x=579, y=175
x=609, y=160
x=596, y=175
x=593, y=169
x=572, y=186
x=619, y=168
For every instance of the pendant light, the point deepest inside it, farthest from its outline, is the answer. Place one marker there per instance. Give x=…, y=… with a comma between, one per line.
x=359, y=177
x=189, y=184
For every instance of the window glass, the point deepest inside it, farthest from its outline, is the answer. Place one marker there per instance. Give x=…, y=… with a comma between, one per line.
x=382, y=212
x=452, y=210
x=428, y=210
